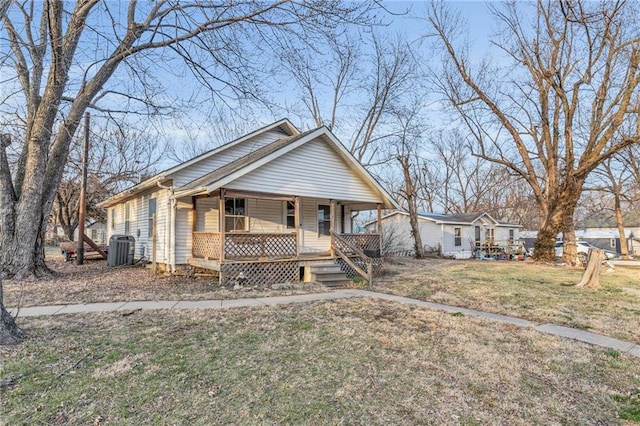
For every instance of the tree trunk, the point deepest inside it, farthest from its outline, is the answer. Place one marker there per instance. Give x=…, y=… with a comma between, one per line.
x=550, y=224
x=412, y=204
x=10, y=333
x=624, y=248
x=591, y=277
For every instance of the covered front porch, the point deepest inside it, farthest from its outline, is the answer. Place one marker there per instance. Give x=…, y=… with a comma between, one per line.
x=239, y=227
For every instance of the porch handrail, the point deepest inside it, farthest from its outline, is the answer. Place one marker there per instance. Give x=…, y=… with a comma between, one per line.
x=368, y=275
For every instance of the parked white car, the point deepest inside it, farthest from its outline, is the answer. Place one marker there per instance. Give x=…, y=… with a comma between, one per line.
x=583, y=250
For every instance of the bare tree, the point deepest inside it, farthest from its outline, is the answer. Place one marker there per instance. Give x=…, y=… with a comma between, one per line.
x=64, y=56
x=118, y=158
x=616, y=183
x=568, y=84
x=354, y=86
x=405, y=148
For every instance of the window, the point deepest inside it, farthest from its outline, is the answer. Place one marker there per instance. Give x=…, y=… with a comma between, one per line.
x=235, y=214
x=511, y=236
x=291, y=215
x=127, y=216
x=488, y=235
x=457, y=237
x=612, y=243
x=151, y=209
x=324, y=220
x=113, y=217
x=94, y=234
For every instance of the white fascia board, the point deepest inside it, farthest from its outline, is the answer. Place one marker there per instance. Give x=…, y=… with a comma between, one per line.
x=284, y=122
x=364, y=173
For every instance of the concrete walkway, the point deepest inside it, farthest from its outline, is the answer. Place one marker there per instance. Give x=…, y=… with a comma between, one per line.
x=556, y=330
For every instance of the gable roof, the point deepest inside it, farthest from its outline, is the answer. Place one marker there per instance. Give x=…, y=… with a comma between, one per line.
x=242, y=166
x=165, y=176
x=202, y=182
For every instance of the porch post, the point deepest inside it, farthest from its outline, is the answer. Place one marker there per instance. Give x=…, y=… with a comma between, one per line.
x=379, y=225
x=221, y=223
x=332, y=218
x=193, y=221
x=296, y=222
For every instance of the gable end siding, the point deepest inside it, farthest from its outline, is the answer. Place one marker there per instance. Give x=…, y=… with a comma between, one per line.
x=312, y=170
x=225, y=157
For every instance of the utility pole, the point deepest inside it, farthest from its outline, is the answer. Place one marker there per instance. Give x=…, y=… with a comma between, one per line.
x=83, y=193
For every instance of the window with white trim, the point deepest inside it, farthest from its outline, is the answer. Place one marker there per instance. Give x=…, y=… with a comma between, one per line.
x=324, y=220
x=489, y=235
x=457, y=237
x=113, y=217
x=291, y=215
x=127, y=217
x=151, y=211
x=235, y=211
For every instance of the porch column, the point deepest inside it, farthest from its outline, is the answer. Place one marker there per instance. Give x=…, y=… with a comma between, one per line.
x=332, y=218
x=296, y=223
x=193, y=222
x=379, y=225
x=221, y=223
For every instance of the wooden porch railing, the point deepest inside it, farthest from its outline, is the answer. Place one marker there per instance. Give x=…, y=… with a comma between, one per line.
x=349, y=247
x=254, y=246
x=206, y=245
x=243, y=246
x=368, y=243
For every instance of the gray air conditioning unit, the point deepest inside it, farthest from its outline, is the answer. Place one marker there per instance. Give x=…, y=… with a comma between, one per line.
x=121, y=249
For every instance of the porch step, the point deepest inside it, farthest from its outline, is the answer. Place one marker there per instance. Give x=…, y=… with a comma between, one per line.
x=328, y=274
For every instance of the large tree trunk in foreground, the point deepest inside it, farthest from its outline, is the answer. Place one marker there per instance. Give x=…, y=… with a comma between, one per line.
x=10, y=333
x=591, y=277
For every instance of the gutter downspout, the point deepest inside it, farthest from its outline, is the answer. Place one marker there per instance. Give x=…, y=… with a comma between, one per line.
x=170, y=225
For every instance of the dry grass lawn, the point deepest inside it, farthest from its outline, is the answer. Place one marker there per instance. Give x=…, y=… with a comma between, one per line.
x=358, y=361
x=540, y=293
x=96, y=282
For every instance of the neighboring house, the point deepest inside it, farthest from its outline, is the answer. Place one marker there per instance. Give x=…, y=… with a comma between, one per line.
x=602, y=230
x=606, y=239
x=457, y=235
x=263, y=207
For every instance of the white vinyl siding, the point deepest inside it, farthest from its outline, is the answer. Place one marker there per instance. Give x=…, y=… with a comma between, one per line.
x=312, y=170
x=207, y=214
x=182, y=240
x=225, y=157
x=265, y=216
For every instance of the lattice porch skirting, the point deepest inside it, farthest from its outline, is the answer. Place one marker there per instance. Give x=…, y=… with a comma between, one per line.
x=351, y=273
x=260, y=274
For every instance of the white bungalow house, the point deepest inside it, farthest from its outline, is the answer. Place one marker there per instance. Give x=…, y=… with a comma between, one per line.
x=262, y=208
x=457, y=235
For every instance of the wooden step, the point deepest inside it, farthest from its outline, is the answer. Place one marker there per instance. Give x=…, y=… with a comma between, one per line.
x=328, y=274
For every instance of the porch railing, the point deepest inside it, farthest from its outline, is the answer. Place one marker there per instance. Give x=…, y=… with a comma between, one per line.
x=254, y=246
x=359, y=252
x=368, y=243
x=206, y=245
x=239, y=246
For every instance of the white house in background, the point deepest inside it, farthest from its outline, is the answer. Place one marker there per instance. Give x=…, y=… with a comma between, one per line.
x=457, y=235
x=264, y=206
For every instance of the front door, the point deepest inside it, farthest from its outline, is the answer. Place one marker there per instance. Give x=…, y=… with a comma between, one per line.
x=477, y=236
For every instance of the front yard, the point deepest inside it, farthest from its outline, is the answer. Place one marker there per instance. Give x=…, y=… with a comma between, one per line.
x=344, y=362
x=540, y=293
x=357, y=361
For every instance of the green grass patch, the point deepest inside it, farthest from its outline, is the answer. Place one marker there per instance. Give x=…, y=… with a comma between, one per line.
x=629, y=406
x=342, y=362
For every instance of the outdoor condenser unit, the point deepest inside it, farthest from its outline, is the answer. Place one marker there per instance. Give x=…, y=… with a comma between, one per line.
x=121, y=249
